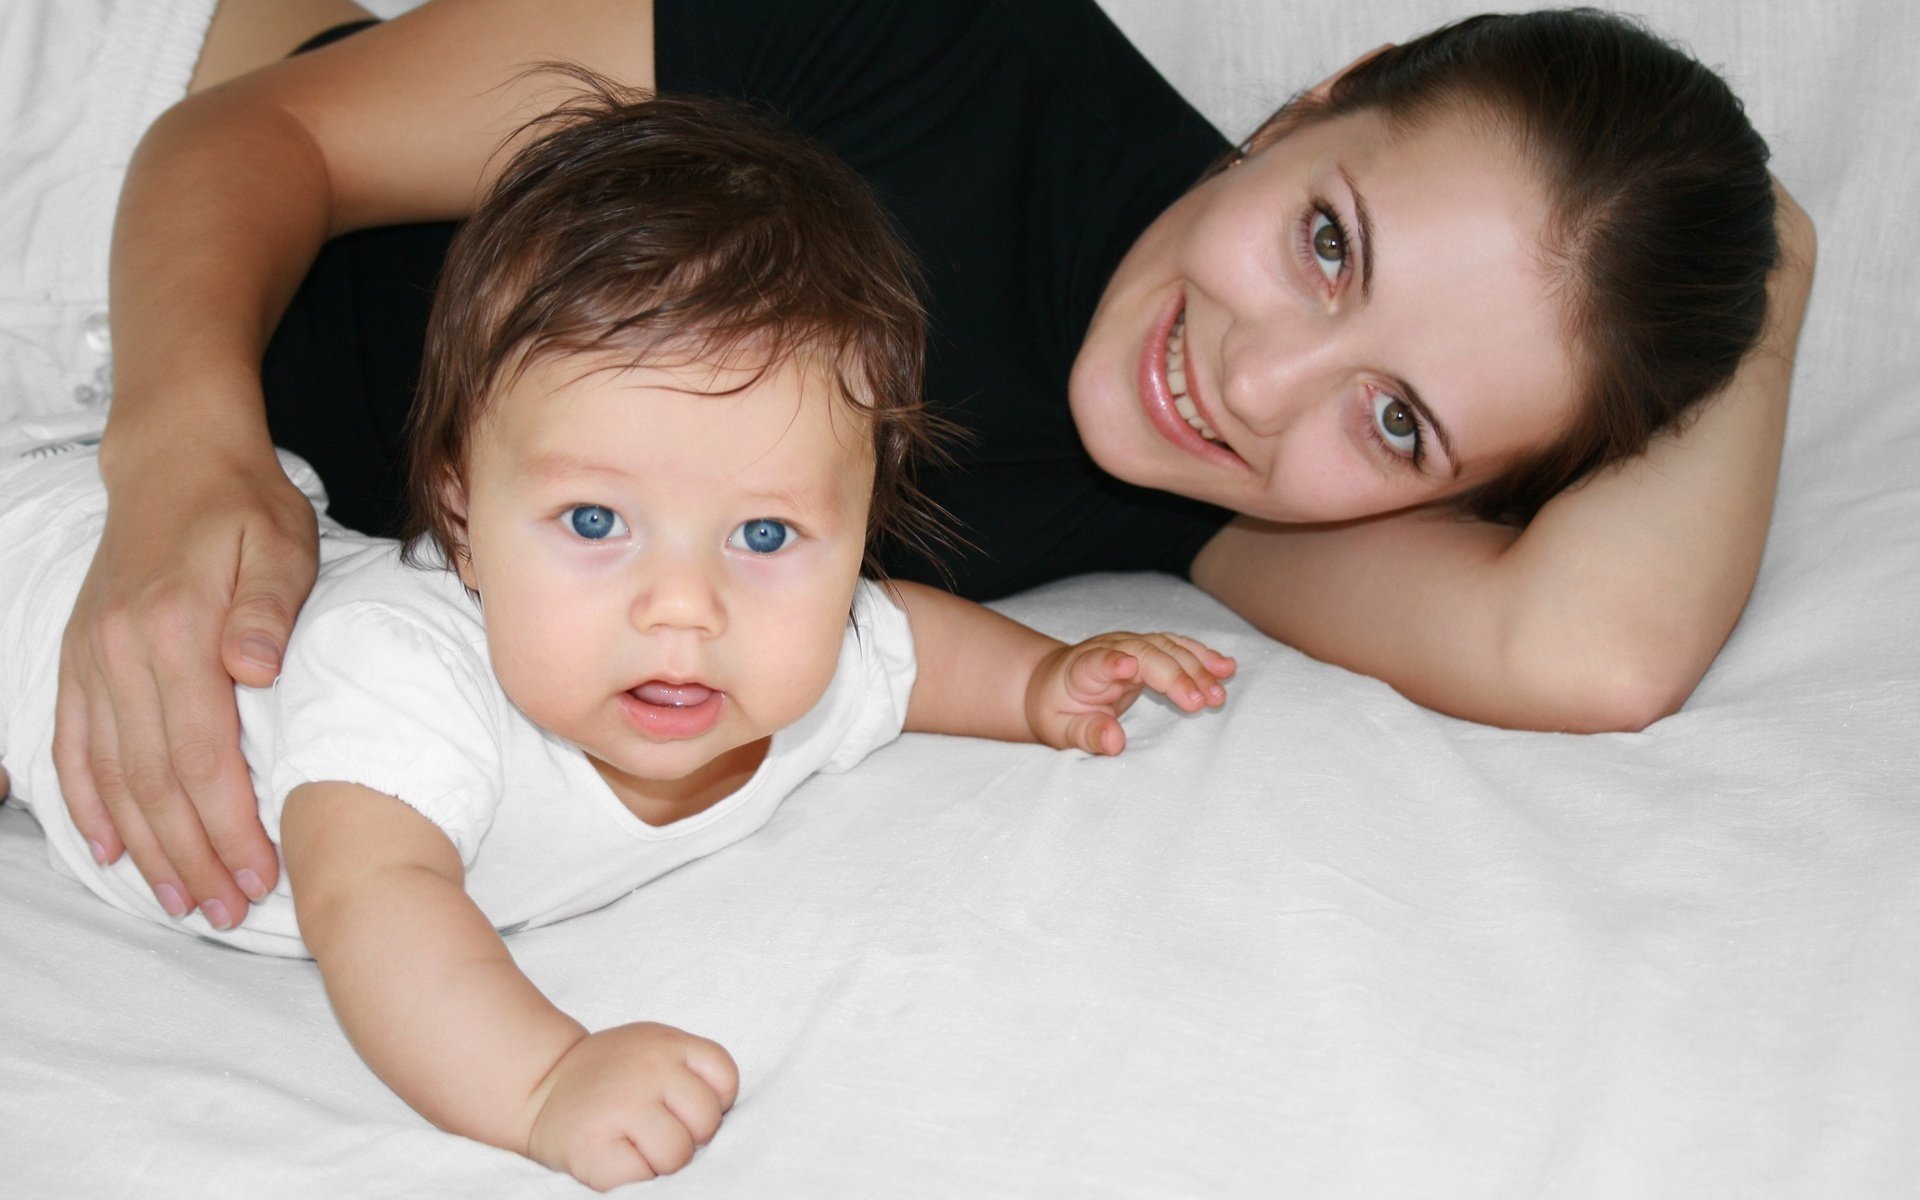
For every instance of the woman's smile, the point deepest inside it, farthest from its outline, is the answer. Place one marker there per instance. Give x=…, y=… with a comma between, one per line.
x=1167, y=393
x=1284, y=339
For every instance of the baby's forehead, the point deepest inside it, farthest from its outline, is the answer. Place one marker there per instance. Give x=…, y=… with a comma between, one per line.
x=806, y=378
x=782, y=426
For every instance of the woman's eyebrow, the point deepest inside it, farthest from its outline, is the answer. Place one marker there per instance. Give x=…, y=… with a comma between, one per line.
x=1411, y=395
x=1365, y=216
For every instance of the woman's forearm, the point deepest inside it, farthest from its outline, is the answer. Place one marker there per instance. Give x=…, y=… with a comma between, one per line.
x=224, y=206
x=1660, y=552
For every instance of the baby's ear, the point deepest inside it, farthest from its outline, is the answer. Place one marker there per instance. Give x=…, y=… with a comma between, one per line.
x=453, y=502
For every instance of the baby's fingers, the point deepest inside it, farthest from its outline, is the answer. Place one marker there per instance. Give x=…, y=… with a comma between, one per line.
x=1102, y=674
x=713, y=1066
x=615, y=1160
x=662, y=1139
x=1170, y=666
x=1218, y=665
x=1096, y=733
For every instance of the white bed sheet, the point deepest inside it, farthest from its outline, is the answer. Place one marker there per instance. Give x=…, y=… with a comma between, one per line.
x=1326, y=943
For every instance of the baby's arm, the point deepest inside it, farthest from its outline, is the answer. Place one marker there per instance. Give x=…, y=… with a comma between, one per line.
x=429, y=996
x=984, y=675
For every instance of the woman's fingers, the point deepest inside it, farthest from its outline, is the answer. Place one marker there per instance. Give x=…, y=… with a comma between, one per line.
x=148, y=734
x=110, y=775
x=272, y=584
x=218, y=829
x=72, y=759
x=170, y=747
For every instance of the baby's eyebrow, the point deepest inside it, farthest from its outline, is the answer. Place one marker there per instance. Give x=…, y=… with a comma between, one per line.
x=800, y=500
x=557, y=464
x=803, y=497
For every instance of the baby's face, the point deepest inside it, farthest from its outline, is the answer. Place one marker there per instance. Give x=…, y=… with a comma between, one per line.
x=666, y=570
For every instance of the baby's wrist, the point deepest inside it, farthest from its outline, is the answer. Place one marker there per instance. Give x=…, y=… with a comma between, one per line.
x=544, y=1088
x=1046, y=690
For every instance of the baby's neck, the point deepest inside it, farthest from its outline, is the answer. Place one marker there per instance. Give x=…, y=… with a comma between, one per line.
x=664, y=801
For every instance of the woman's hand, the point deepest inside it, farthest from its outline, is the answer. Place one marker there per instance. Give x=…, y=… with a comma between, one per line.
x=630, y=1103
x=207, y=555
x=1078, y=692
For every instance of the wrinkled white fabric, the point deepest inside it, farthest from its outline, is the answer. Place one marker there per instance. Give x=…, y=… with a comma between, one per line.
x=80, y=81
x=1324, y=943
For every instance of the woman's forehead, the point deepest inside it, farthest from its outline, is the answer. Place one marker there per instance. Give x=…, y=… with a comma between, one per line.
x=1467, y=299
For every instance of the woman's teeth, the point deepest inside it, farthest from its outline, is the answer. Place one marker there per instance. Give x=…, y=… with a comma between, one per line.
x=1177, y=381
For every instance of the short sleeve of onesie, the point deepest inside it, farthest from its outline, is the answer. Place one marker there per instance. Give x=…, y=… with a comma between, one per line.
x=882, y=666
x=371, y=695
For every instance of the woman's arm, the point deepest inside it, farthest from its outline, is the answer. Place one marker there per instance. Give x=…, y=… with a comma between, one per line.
x=429, y=996
x=208, y=551
x=983, y=675
x=1602, y=614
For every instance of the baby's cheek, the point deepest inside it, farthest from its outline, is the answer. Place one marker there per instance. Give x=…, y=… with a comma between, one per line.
x=529, y=669
x=802, y=669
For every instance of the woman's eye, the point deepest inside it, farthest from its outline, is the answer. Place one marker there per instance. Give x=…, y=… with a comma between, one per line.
x=1398, y=424
x=594, y=522
x=762, y=535
x=1328, y=241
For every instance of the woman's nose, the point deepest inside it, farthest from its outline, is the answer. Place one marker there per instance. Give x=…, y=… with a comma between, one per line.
x=1274, y=370
x=679, y=591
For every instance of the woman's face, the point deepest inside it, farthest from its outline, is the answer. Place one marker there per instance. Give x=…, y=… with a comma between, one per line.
x=1356, y=319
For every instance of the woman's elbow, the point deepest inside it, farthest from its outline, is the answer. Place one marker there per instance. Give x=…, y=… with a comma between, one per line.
x=1630, y=697
x=1609, y=684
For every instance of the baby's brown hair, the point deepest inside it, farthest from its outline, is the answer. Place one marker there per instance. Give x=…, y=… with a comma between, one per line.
x=675, y=229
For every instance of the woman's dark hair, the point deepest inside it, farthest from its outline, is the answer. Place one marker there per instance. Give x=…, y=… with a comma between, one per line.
x=675, y=230
x=1661, y=210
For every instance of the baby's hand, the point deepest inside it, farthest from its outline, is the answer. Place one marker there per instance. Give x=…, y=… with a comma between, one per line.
x=1078, y=692
x=631, y=1103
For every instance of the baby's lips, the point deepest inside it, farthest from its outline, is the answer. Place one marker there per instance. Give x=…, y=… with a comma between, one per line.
x=673, y=695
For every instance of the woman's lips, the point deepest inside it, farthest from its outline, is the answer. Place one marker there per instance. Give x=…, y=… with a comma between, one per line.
x=672, y=711
x=1157, y=397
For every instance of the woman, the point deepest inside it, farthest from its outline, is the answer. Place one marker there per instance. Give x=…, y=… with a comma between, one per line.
x=1397, y=301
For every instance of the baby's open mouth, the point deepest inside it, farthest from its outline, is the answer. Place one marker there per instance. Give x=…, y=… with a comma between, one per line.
x=672, y=695
x=668, y=710
x=1177, y=382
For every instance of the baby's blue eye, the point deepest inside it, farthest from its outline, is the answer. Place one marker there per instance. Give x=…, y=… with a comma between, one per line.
x=762, y=535
x=595, y=522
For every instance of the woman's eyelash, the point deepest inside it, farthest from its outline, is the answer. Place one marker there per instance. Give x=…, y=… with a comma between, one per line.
x=1309, y=234
x=1421, y=432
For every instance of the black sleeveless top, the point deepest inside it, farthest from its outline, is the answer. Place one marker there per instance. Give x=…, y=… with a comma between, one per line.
x=1021, y=148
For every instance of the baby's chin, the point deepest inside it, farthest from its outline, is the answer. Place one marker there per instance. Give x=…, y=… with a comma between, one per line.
x=680, y=779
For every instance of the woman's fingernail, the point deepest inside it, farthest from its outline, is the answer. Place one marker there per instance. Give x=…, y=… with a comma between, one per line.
x=216, y=914
x=170, y=899
x=249, y=883
x=260, y=650
x=98, y=851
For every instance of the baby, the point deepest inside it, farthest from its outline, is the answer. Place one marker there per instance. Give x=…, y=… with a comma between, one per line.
x=670, y=403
